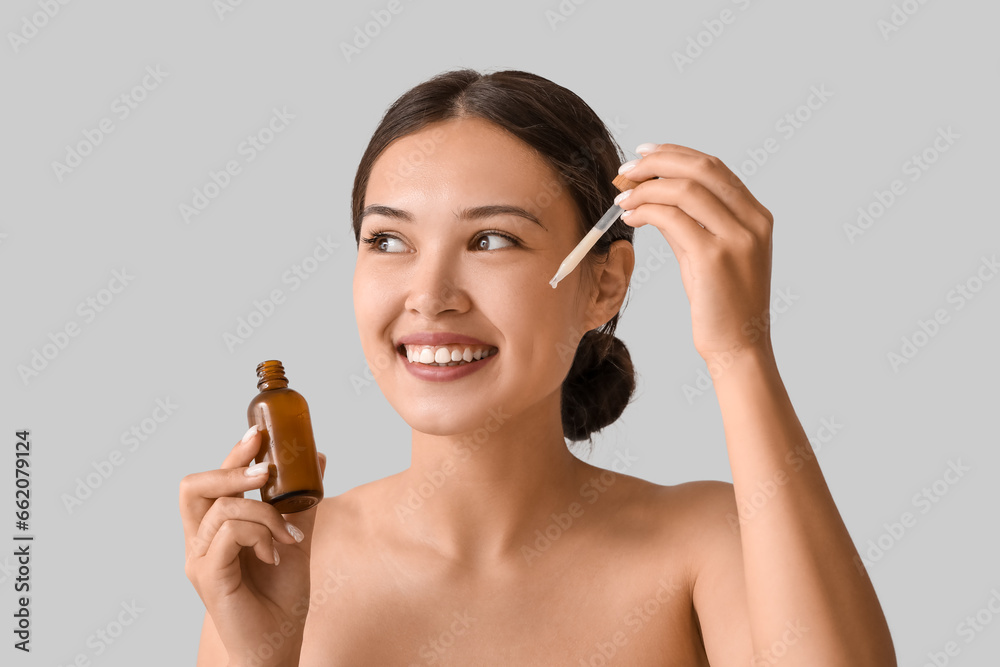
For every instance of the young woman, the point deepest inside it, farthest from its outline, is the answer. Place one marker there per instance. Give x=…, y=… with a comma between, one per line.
x=498, y=546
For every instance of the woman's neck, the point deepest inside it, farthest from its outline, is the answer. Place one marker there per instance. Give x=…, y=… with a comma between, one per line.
x=479, y=498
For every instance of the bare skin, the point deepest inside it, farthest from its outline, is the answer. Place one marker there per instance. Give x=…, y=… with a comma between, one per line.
x=493, y=564
x=616, y=579
x=615, y=572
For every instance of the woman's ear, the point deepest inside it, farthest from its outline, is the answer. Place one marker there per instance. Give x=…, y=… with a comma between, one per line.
x=610, y=284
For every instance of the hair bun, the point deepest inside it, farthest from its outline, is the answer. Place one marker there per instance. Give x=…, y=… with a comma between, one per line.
x=598, y=387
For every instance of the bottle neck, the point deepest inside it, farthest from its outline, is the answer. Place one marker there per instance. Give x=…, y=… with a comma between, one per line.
x=271, y=375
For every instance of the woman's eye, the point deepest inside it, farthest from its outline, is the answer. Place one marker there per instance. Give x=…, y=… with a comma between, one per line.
x=381, y=242
x=506, y=239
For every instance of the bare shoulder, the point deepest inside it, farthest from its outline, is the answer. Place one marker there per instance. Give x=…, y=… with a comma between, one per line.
x=708, y=502
x=691, y=521
x=342, y=543
x=692, y=531
x=700, y=505
x=708, y=520
x=694, y=516
x=693, y=524
x=348, y=525
x=343, y=516
x=704, y=515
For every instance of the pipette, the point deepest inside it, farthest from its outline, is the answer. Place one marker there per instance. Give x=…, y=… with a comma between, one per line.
x=588, y=241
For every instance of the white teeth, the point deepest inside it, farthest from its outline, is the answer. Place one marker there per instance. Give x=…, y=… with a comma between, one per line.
x=445, y=356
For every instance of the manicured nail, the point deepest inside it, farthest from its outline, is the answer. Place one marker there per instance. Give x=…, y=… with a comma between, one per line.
x=257, y=469
x=621, y=197
x=642, y=149
x=628, y=165
x=294, y=532
x=276, y=559
x=249, y=434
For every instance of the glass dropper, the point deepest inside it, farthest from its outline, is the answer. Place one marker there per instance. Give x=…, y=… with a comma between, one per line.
x=583, y=247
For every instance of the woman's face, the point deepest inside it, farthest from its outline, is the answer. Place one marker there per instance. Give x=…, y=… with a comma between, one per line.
x=439, y=269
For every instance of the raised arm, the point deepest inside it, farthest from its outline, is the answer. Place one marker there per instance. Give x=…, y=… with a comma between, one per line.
x=797, y=558
x=781, y=541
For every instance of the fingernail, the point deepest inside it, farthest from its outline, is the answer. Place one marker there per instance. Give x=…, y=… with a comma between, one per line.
x=257, y=469
x=622, y=196
x=249, y=434
x=294, y=532
x=628, y=165
x=642, y=149
x=276, y=559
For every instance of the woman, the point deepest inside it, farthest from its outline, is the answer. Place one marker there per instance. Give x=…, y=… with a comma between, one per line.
x=498, y=546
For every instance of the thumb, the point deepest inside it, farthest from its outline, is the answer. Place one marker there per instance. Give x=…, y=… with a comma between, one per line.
x=322, y=463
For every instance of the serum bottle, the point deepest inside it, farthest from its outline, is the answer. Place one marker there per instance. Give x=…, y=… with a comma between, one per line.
x=286, y=442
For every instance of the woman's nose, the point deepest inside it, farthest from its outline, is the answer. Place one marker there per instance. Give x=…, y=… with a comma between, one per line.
x=435, y=286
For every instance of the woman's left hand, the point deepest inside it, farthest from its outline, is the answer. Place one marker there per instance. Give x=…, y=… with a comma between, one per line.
x=721, y=236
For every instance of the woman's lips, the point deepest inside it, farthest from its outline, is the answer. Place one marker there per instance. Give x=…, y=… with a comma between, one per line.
x=442, y=373
x=438, y=338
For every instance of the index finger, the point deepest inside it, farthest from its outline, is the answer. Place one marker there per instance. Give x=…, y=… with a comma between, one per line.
x=243, y=453
x=713, y=164
x=199, y=490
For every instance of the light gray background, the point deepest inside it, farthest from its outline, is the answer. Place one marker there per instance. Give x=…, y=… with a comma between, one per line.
x=162, y=336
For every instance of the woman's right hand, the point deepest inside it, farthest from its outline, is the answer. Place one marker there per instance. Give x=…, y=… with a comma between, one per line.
x=257, y=596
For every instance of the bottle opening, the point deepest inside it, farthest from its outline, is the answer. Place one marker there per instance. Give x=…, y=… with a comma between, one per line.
x=271, y=375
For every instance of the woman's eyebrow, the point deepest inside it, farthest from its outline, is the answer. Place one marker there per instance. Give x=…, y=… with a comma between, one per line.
x=472, y=213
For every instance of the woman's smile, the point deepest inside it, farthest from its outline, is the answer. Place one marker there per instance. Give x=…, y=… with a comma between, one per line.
x=436, y=369
x=446, y=355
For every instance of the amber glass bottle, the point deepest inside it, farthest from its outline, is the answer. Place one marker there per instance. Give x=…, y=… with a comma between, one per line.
x=286, y=442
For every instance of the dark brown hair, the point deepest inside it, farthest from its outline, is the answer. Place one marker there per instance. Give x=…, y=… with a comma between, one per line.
x=576, y=143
